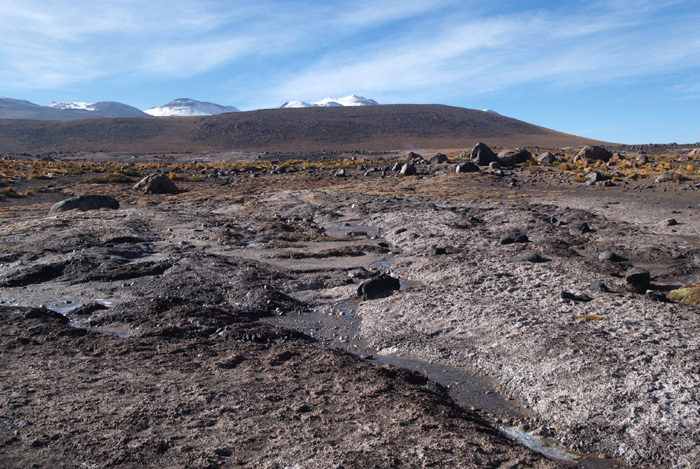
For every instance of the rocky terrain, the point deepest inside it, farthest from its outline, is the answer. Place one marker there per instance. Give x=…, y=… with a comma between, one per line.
x=349, y=312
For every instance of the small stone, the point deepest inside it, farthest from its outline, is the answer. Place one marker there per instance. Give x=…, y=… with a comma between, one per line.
x=579, y=228
x=610, y=256
x=437, y=251
x=379, y=286
x=570, y=296
x=599, y=287
x=528, y=257
x=637, y=279
x=655, y=296
x=514, y=237
x=671, y=222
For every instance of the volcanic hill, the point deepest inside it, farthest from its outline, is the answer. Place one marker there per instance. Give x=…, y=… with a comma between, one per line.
x=377, y=128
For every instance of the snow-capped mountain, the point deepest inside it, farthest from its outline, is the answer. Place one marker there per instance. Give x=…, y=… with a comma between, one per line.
x=491, y=111
x=105, y=108
x=189, y=107
x=352, y=100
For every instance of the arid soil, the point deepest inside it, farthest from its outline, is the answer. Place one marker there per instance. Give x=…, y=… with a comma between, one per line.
x=205, y=328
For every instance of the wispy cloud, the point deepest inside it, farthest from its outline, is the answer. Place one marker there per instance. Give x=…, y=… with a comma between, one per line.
x=482, y=54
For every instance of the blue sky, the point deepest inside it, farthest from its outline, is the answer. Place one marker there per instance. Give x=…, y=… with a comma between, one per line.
x=623, y=71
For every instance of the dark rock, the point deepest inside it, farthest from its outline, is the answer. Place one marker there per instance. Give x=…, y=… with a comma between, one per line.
x=591, y=152
x=85, y=202
x=599, y=287
x=467, y=167
x=641, y=160
x=33, y=274
x=670, y=222
x=377, y=287
x=341, y=173
x=546, y=158
x=507, y=161
x=413, y=156
x=655, y=296
x=408, y=170
x=528, y=257
x=482, y=155
x=397, y=167
x=157, y=184
x=436, y=251
x=579, y=228
x=514, y=237
x=494, y=165
x=440, y=158
x=610, y=256
x=519, y=155
x=570, y=296
x=637, y=279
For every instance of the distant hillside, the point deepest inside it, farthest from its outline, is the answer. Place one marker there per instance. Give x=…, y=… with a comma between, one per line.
x=20, y=109
x=379, y=128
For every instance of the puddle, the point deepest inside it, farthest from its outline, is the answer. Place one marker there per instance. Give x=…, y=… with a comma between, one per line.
x=534, y=443
x=350, y=229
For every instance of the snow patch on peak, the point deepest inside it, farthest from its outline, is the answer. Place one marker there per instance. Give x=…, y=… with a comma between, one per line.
x=76, y=105
x=295, y=104
x=189, y=107
x=491, y=111
x=351, y=100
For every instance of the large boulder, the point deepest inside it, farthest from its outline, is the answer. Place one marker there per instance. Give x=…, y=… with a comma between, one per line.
x=86, y=202
x=157, y=184
x=519, y=155
x=379, y=286
x=592, y=152
x=482, y=155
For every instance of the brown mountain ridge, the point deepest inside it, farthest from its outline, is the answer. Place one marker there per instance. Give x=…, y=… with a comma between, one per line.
x=375, y=128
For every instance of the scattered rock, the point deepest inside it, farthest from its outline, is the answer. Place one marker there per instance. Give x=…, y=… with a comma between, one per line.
x=669, y=222
x=482, y=155
x=85, y=202
x=376, y=287
x=397, y=167
x=641, y=160
x=668, y=176
x=593, y=177
x=494, y=165
x=610, y=256
x=440, y=158
x=579, y=228
x=514, y=237
x=591, y=152
x=655, y=296
x=157, y=184
x=694, y=151
x=519, y=155
x=599, y=287
x=467, y=167
x=637, y=279
x=570, y=296
x=341, y=173
x=437, y=251
x=408, y=170
x=546, y=158
x=528, y=257
x=507, y=161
